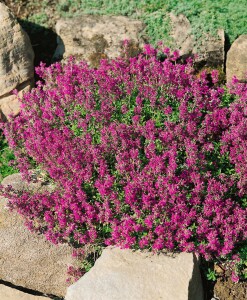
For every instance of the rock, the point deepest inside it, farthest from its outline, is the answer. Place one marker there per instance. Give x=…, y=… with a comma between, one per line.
x=92, y=38
x=236, y=62
x=8, y=293
x=28, y=259
x=123, y=274
x=16, y=181
x=210, y=49
x=181, y=34
x=9, y=104
x=16, y=61
x=218, y=269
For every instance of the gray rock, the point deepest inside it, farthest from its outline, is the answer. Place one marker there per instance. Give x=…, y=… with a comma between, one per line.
x=16, y=61
x=92, y=38
x=28, y=259
x=8, y=293
x=236, y=62
x=123, y=274
x=209, y=48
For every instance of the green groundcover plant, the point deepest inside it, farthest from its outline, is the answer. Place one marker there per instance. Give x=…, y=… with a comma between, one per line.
x=205, y=16
x=143, y=154
x=6, y=157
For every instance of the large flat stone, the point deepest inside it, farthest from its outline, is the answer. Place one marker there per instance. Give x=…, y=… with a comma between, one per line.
x=8, y=293
x=123, y=274
x=92, y=38
x=28, y=259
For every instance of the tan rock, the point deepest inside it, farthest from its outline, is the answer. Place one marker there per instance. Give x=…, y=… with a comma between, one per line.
x=210, y=49
x=10, y=104
x=181, y=34
x=28, y=259
x=236, y=62
x=123, y=274
x=218, y=269
x=16, y=59
x=8, y=293
x=92, y=38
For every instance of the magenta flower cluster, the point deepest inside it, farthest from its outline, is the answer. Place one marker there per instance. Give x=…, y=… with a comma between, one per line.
x=143, y=154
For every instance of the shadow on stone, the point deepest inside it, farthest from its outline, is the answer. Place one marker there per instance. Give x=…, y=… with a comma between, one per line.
x=227, y=48
x=208, y=285
x=28, y=291
x=195, y=290
x=43, y=40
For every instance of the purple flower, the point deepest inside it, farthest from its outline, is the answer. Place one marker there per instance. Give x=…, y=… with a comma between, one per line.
x=142, y=154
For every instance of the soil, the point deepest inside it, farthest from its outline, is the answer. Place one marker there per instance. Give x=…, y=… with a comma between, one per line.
x=225, y=289
x=43, y=40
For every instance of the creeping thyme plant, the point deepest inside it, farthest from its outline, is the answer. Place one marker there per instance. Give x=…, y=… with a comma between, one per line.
x=143, y=155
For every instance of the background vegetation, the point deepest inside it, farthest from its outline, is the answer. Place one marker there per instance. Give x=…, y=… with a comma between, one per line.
x=6, y=155
x=205, y=16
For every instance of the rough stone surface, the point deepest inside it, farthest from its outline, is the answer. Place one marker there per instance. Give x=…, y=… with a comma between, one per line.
x=210, y=49
x=92, y=38
x=181, y=33
x=16, y=60
x=28, y=259
x=236, y=62
x=10, y=104
x=123, y=274
x=8, y=293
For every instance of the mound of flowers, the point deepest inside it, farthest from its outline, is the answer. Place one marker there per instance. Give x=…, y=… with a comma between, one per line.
x=143, y=154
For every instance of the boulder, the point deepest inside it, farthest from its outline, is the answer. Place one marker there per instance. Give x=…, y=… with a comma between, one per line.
x=210, y=49
x=28, y=259
x=181, y=34
x=16, y=61
x=9, y=104
x=123, y=274
x=16, y=181
x=236, y=62
x=91, y=37
x=8, y=293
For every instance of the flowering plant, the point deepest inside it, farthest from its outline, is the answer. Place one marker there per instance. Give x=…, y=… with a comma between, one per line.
x=143, y=153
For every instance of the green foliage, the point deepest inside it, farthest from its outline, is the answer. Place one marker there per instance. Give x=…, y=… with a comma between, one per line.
x=6, y=155
x=91, y=257
x=227, y=99
x=39, y=18
x=205, y=16
x=209, y=15
x=242, y=264
x=153, y=13
x=211, y=275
